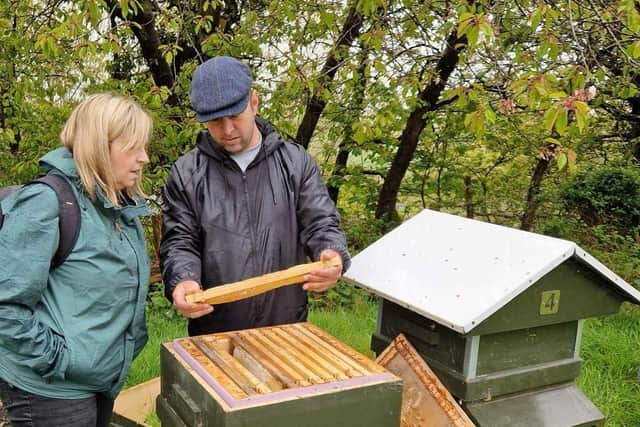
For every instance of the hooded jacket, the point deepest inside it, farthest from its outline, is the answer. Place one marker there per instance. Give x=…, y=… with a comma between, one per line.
x=72, y=331
x=222, y=225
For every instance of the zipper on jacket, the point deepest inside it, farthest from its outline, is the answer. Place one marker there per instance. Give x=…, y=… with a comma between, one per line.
x=251, y=223
x=118, y=228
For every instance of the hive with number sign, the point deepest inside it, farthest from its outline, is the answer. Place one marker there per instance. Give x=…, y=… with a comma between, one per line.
x=287, y=375
x=496, y=312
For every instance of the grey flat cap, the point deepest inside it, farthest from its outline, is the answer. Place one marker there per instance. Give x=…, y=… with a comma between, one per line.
x=220, y=87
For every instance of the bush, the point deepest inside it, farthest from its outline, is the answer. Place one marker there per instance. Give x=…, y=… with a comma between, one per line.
x=607, y=194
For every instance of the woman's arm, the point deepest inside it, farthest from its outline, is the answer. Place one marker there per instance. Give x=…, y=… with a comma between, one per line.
x=28, y=240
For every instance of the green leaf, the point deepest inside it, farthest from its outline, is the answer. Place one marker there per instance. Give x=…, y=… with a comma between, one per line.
x=463, y=27
x=634, y=50
x=550, y=117
x=582, y=108
x=490, y=115
x=562, y=160
x=571, y=160
x=487, y=31
x=561, y=121
x=94, y=13
x=124, y=7
x=469, y=119
x=558, y=94
x=472, y=35
x=536, y=17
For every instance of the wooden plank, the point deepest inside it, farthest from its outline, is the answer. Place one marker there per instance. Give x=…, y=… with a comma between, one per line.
x=316, y=373
x=330, y=363
x=136, y=403
x=333, y=349
x=260, y=284
x=212, y=369
x=425, y=400
x=364, y=361
x=310, y=356
x=256, y=368
x=302, y=375
x=272, y=364
x=238, y=373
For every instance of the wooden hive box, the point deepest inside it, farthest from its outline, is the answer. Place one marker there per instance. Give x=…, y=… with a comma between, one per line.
x=497, y=313
x=288, y=375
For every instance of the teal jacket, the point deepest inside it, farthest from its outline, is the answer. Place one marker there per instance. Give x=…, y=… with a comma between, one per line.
x=73, y=331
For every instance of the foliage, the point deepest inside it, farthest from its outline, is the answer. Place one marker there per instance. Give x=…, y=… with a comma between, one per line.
x=342, y=296
x=608, y=194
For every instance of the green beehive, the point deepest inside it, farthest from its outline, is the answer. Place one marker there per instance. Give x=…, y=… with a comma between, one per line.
x=496, y=312
x=289, y=375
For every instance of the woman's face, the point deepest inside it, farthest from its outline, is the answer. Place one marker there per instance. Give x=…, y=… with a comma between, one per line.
x=127, y=165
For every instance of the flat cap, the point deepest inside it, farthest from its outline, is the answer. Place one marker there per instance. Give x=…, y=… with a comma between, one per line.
x=220, y=87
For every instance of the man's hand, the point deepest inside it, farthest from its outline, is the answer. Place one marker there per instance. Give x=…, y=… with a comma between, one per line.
x=187, y=309
x=322, y=279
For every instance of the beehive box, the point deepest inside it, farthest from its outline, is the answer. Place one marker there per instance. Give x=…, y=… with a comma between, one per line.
x=288, y=375
x=497, y=313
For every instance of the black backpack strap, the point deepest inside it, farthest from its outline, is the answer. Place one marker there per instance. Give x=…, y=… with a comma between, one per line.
x=69, y=216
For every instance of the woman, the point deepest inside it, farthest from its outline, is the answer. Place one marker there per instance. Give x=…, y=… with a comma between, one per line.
x=68, y=334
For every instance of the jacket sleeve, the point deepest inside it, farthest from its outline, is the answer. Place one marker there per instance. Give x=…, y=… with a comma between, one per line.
x=180, y=245
x=319, y=220
x=29, y=235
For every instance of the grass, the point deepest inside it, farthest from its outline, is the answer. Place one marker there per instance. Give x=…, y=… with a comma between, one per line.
x=611, y=353
x=164, y=324
x=610, y=350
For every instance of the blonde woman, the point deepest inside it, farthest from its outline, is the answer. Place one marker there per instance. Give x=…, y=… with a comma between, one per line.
x=68, y=334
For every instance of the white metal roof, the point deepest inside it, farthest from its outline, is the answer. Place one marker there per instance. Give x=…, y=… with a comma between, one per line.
x=458, y=272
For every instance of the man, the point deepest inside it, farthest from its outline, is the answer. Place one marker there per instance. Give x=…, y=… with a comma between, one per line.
x=241, y=204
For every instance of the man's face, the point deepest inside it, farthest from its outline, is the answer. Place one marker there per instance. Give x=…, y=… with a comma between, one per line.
x=237, y=133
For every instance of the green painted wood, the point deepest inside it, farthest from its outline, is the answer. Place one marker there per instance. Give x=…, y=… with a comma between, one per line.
x=563, y=405
x=524, y=347
x=583, y=294
x=376, y=405
x=496, y=384
x=441, y=343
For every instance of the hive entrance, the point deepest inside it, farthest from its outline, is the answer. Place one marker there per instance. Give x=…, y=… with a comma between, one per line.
x=274, y=360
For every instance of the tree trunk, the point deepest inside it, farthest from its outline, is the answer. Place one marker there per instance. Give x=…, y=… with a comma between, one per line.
x=146, y=33
x=634, y=132
x=529, y=216
x=468, y=197
x=316, y=103
x=342, y=158
x=416, y=122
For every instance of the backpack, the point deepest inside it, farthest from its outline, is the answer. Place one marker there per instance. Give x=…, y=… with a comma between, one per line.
x=69, y=213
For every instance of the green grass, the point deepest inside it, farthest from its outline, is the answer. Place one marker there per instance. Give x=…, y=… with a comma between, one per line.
x=611, y=353
x=164, y=324
x=352, y=327
x=610, y=349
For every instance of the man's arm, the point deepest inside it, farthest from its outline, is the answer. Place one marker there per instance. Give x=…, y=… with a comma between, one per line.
x=320, y=230
x=180, y=246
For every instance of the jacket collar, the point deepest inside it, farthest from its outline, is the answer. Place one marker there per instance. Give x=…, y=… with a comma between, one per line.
x=61, y=161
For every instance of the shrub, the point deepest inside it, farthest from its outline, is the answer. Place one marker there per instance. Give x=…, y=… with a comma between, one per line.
x=608, y=194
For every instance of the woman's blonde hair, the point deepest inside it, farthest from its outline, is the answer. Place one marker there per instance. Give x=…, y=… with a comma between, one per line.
x=89, y=131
